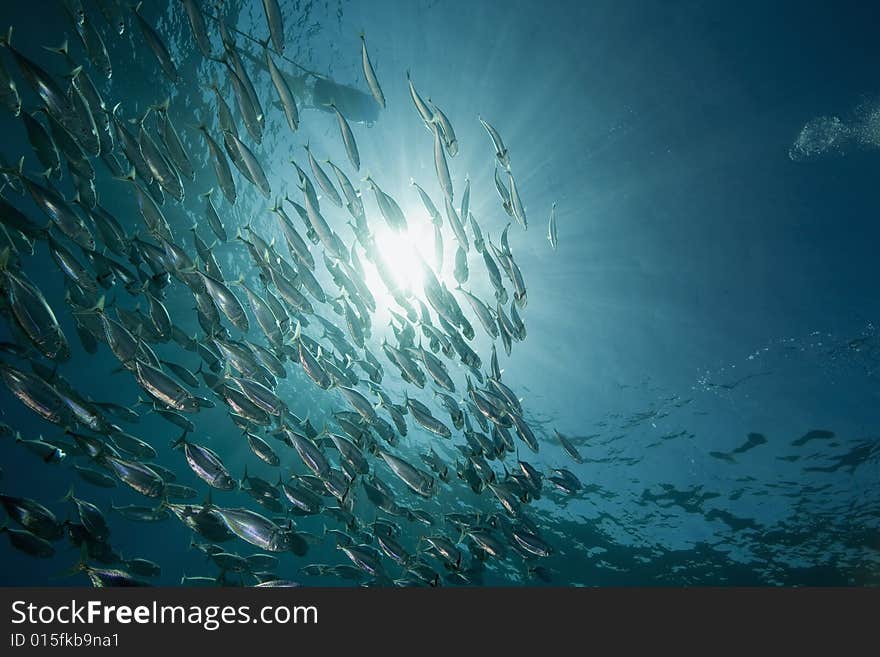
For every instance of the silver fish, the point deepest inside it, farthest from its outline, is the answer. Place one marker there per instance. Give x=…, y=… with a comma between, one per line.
x=131, y=148
x=568, y=447
x=479, y=244
x=199, y=29
x=276, y=23
x=360, y=403
x=288, y=102
x=551, y=229
x=435, y=215
x=437, y=370
x=524, y=431
x=423, y=416
x=417, y=480
x=163, y=388
x=365, y=558
x=90, y=516
x=9, y=95
x=213, y=217
x=29, y=543
x=265, y=316
x=323, y=180
x=498, y=143
x=171, y=139
x=440, y=164
x=206, y=464
x=246, y=104
x=163, y=171
x=253, y=171
x=449, y=139
x=154, y=41
x=33, y=313
x=391, y=211
x=70, y=266
x=348, y=139
x=256, y=529
x=421, y=107
x=224, y=114
x=226, y=301
x=457, y=226
x=438, y=247
x=39, y=80
x=483, y=313
x=42, y=143
x=370, y=74
x=353, y=198
x=33, y=516
x=262, y=450
x=138, y=476
x=95, y=477
x=48, y=452
x=310, y=454
x=110, y=230
x=221, y=167
x=519, y=212
x=60, y=212
x=262, y=396
x=112, y=12
x=95, y=48
x=461, y=266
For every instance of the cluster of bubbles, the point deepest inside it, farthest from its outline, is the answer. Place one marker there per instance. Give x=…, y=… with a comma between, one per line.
x=831, y=135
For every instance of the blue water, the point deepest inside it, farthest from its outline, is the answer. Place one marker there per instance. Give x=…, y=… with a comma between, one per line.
x=707, y=285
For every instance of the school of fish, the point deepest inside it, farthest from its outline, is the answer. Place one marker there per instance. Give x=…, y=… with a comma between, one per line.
x=299, y=325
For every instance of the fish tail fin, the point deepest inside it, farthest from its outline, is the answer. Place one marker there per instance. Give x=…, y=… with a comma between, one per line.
x=140, y=121
x=68, y=496
x=180, y=441
x=63, y=50
x=48, y=174
x=79, y=567
x=207, y=194
x=6, y=39
x=17, y=170
x=145, y=402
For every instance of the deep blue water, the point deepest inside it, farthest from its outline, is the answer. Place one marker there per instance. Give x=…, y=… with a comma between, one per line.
x=707, y=286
